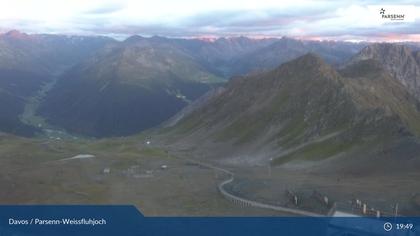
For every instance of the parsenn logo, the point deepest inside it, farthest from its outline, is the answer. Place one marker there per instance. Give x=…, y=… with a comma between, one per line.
x=382, y=11
x=395, y=14
x=392, y=16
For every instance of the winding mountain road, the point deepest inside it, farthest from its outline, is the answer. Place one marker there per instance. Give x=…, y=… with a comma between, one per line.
x=246, y=202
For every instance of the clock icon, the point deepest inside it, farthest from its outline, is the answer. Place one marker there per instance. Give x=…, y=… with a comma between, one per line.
x=387, y=226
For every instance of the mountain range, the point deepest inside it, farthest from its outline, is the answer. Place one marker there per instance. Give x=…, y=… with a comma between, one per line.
x=308, y=110
x=252, y=118
x=100, y=87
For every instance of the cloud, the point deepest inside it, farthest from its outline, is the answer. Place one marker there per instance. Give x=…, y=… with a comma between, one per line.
x=343, y=20
x=105, y=9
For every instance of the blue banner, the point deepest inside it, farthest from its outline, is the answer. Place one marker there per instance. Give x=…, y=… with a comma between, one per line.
x=127, y=220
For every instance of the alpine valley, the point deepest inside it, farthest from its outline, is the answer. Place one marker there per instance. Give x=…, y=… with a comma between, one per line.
x=181, y=126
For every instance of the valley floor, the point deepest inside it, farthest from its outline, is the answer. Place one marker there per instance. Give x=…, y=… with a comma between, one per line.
x=161, y=183
x=110, y=172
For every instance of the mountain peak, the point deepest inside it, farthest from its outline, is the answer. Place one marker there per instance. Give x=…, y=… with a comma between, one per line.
x=378, y=50
x=15, y=34
x=134, y=39
x=308, y=63
x=397, y=59
x=311, y=57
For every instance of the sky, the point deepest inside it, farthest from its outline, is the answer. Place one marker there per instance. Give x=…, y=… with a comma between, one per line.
x=319, y=20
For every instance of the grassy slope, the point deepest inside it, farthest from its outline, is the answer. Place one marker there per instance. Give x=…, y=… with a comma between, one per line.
x=303, y=101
